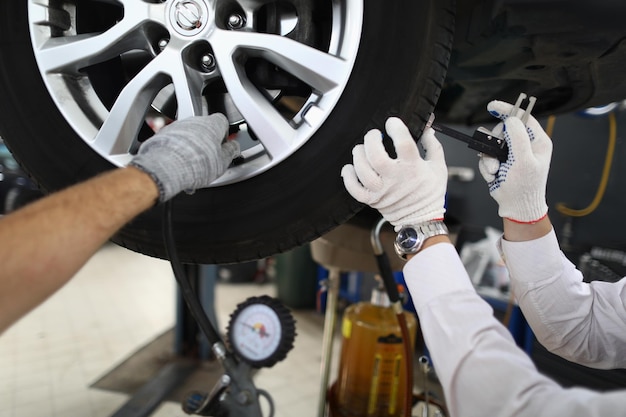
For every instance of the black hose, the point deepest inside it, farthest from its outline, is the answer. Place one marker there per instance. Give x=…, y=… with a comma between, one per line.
x=386, y=273
x=190, y=297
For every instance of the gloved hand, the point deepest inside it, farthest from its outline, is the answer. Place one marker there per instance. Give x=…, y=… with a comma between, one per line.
x=407, y=190
x=187, y=154
x=519, y=184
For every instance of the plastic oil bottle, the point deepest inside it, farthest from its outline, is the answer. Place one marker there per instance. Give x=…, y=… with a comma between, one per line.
x=372, y=368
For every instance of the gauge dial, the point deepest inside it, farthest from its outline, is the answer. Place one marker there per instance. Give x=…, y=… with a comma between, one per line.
x=261, y=331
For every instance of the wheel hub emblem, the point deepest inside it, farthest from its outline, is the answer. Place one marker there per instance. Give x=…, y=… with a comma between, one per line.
x=188, y=17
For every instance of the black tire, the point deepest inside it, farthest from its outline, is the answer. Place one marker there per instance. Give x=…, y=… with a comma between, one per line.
x=399, y=70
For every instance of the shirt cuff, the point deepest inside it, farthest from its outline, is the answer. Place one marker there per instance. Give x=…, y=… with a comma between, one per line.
x=533, y=260
x=434, y=272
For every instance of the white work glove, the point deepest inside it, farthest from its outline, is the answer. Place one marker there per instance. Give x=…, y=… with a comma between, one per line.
x=519, y=184
x=187, y=154
x=407, y=190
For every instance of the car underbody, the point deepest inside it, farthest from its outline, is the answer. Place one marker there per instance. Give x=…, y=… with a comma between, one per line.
x=568, y=54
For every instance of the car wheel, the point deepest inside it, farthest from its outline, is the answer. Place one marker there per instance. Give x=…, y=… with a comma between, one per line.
x=83, y=83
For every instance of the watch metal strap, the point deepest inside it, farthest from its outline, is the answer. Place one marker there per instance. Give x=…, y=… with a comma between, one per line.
x=427, y=230
x=432, y=228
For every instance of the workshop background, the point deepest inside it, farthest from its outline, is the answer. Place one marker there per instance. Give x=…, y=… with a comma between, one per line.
x=55, y=362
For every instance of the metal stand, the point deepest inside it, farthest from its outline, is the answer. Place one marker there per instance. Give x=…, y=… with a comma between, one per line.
x=150, y=396
x=190, y=345
x=330, y=322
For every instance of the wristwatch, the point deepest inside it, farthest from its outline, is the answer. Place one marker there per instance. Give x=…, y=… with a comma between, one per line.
x=411, y=238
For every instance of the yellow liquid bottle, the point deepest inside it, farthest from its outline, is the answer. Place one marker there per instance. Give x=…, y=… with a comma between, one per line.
x=372, y=368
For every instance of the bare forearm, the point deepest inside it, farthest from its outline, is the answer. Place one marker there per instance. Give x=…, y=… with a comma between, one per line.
x=47, y=242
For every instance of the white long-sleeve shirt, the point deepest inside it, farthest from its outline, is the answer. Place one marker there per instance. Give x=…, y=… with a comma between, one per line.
x=582, y=322
x=481, y=369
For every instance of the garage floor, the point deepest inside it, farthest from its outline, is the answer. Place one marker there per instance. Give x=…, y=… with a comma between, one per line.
x=118, y=303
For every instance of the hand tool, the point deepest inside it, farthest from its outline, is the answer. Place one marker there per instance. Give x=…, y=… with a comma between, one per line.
x=484, y=140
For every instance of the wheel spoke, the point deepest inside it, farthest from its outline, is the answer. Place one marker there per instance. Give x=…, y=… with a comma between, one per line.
x=320, y=70
x=118, y=134
x=71, y=54
x=188, y=89
x=276, y=135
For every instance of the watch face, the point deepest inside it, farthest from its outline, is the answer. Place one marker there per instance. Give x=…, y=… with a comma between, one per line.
x=407, y=238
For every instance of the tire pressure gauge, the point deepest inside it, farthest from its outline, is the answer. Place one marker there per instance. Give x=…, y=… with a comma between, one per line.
x=261, y=331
